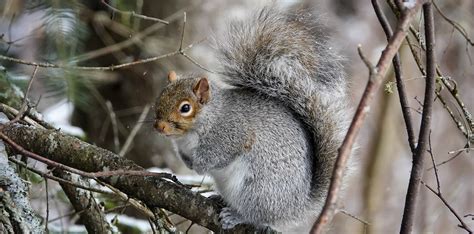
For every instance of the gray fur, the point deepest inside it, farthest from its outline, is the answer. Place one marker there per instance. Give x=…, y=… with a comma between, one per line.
x=270, y=143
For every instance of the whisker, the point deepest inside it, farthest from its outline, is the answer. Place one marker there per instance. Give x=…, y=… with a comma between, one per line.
x=147, y=121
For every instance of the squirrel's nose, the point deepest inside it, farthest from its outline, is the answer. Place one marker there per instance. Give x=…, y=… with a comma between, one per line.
x=161, y=126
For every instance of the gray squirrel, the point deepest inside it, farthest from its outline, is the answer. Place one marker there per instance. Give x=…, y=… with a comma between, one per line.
x=270, y=141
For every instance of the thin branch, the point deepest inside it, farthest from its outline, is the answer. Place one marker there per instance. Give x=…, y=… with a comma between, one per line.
x=67, y=215
x=135, y=203
x=452, y=90
x=419, y=155
x=182, y=52
x=113, y=120
x=182, y=33
x=459, y=152
x=51, y=177
x=47, y=206
x=398, y=76
x=456, y=25
x=134, y=131
x=163, y=175
x=370, y=66
x=123, y=44
x=24, y=106
x=132, y=13
x=365, y=223
x=197, y=64
x=12, y=111
x=463, y=225
x=109, y=68
x=466, y=148
x=362, y=110
x=438, y=192
x=430, y=151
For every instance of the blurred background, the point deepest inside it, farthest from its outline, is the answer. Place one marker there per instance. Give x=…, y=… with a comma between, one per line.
x=104, y=107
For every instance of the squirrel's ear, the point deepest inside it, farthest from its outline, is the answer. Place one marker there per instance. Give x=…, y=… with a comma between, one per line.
x=172, y=77
x=201, y=90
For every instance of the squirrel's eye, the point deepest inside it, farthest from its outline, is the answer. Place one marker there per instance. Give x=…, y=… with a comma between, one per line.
x=185, y=109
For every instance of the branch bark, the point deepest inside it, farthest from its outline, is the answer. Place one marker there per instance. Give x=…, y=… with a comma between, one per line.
x=418, y=157
x=154, y=192
x=397, y=67
x=375, y=79
x=16, y=214
x=91, y=213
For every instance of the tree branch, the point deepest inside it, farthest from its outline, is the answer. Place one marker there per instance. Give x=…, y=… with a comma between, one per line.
x=154, y=192
x=398, y=76
x=375, y=79
x=418, y=157
x=134, y=14
x=92, y=215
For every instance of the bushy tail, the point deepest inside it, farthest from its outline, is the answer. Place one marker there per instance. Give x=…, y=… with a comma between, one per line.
x=286, y=55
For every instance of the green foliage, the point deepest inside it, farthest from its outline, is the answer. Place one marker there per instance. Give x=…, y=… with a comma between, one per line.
x=8, y=95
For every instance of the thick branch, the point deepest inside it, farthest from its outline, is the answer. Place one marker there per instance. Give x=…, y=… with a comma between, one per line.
x=154, y=192
x=92, y=215
x=16, y=214
x=418, y=158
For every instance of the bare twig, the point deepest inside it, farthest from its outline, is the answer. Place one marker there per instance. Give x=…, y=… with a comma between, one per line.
x=12, y=111
x=457, y=153
x=430, y=151
x=109, y=68
x=134, y=173
x=113, y=120
x=197, y=64
x=134, y=131
x=47, y=206
x=66, y=215
x=362, y=110
x=438, y=193
x=135, y=203
x=10, y=33
x=452, y=88
x=182, y=33
x=456, y=25
x=182, y=51
x=398, y=76
x=124, y=44
x=466, y=148
x=132, y=13
x=24, y=106
x=419, y=155
x=51, y=177
x=365, y=223
x=370, y=66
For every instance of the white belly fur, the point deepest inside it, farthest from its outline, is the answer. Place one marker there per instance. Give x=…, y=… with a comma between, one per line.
x=230, y=180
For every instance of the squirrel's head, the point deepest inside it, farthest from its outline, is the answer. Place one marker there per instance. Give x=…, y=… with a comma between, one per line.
x=180, y=103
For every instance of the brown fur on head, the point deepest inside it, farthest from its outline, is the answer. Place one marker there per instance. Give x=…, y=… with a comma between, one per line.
x=179, y=103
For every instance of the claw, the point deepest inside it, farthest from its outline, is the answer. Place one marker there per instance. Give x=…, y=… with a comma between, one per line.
x=229, y=218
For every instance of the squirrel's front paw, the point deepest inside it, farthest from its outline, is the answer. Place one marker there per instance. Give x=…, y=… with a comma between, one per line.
x=229, y=218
